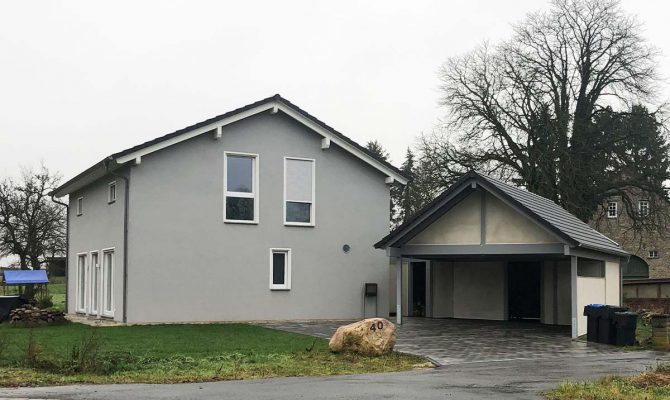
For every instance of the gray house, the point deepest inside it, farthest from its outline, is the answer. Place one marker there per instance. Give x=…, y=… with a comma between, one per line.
x=262, y=213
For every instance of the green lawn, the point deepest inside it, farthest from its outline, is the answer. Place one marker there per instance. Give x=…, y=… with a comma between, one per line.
x=651, y=385
x=76, y=353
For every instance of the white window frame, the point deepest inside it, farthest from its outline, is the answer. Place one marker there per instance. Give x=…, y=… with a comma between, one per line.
x=95, y=280
x=287, y=268
x=81, y=308
x=639, y=207
x=111, y=199
x=616, y=209
x=312, y=208
x=80, y=206
x=654, y=255
x=255, y=166
x=103, y=309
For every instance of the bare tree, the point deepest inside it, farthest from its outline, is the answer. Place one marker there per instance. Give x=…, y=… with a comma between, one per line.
x=526, y=109
x=32, y=227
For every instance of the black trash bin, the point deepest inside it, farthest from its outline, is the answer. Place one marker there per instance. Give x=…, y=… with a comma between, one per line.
x=592, y=313
x=606, y=329
x=625, y=324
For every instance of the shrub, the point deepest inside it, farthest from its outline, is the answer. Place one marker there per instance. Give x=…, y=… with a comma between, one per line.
x=43, y=300
x=31, y=356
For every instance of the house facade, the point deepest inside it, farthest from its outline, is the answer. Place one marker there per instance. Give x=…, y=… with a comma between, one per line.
x=651, y=246
x=484, y=249
x=262, y=213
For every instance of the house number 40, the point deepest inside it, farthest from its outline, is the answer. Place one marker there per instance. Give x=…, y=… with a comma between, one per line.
x=377, y=326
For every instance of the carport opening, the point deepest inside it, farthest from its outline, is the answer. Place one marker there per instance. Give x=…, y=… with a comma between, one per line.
x=524, y=291
x=418, y=275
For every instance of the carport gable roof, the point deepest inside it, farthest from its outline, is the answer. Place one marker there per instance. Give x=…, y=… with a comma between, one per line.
x=568, y=228
x=273, y=104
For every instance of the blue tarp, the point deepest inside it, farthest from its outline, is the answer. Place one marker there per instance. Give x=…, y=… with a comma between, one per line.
x=22, y=276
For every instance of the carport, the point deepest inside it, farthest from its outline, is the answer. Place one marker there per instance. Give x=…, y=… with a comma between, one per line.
x=487, y=250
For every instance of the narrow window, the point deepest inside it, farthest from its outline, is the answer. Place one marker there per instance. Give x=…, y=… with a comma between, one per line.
x=81, y=283
x=612, y=211
x=298, y=191
x=111, y=197
x=643, y=208
x=280, y=269
x=240, y=188
x=80, y=206
x=653, y=253
x=107, y=283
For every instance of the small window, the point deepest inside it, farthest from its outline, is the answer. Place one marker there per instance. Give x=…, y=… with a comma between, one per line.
x=240, y=188
x=280, y=269
x=643, y=208
x=111, y=197
x=590, y=268
x=612, y=211
x=298, y=191
x=653, y=253
x=80, y=206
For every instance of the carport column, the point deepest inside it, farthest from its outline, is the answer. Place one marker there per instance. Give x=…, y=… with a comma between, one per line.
x=398, y=292
x=573, y=295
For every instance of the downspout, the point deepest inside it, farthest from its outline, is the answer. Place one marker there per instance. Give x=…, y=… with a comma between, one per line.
x=126, y=201
x=67, y=244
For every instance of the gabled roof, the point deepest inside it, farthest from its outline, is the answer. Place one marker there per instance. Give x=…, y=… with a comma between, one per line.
x=545, y=212
x=272, y=104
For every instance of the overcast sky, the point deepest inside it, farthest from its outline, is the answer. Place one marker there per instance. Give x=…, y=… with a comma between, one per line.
x=80, y=80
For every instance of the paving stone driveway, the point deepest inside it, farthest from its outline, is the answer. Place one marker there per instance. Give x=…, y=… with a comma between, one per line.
x=454, y=341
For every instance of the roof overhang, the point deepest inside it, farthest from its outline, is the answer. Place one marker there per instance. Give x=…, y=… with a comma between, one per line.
x=272, y=104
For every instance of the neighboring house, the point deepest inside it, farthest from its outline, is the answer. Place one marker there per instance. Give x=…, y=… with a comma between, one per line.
x=262, y=213
x=484, y=249
x=652, y=246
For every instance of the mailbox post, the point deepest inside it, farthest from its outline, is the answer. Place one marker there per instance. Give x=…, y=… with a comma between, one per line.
x=370, y=291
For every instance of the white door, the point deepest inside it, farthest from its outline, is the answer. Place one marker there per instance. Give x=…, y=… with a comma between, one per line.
x=107, y=283
x=95, y=284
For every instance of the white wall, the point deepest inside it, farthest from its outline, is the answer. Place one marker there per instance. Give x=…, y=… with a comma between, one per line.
x=506, y=225
x=589, y=291
x=557, y=306
x=613, y=284
x=443, y=289
x=479, y=290
x=460, y=225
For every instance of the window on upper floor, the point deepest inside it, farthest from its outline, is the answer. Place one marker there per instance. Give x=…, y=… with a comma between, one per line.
x=643, y=207
x=111, y=193
x=280, y=269
x=80, y=206
x=612, y=211
x=240, y=182
x=299, y=186
x=653, y=253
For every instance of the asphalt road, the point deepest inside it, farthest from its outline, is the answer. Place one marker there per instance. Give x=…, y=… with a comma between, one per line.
x=520, y=379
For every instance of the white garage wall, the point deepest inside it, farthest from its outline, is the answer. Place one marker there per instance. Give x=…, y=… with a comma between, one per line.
x=443, y=289
x=589, y=291
x=613, y=288
x=479, y=290
x=559, y=293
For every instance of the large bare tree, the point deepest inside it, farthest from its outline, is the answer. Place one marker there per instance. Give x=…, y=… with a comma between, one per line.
x=527, y=109
x=32, y=227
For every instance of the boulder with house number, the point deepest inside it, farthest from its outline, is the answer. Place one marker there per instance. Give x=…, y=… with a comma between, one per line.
x=372, y=336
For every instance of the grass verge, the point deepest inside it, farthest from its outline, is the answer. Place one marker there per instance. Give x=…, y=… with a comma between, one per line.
x=76, y=353
x=650, y=385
